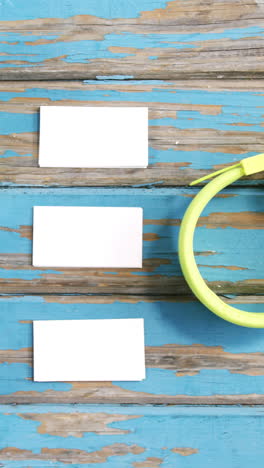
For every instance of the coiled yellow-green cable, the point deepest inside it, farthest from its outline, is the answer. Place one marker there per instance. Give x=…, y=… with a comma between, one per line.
x=186, y=255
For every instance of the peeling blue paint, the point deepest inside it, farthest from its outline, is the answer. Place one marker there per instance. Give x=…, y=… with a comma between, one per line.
x=20, y=122
x=112, y=77
x=196, y=159
x=227, y=243
x=74, y=52
x=165, y=322
x=252, y=101
x=167, y=203
x=226, y=121
x=156, y=430
x=19, y=10
x=184, y=323
x=214, y=432
x=15, y=46
x=207, y=382
x=18, y=377
x=250, y=115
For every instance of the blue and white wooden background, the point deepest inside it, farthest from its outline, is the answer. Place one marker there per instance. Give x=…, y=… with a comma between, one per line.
x=199, y=68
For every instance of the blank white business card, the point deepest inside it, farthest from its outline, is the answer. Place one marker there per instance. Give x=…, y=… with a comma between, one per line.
x=77, y=236
x=67, y=350
x=93, y=136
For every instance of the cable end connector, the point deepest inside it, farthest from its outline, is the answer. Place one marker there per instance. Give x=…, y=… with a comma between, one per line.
x=253, y=164
x=214, y=174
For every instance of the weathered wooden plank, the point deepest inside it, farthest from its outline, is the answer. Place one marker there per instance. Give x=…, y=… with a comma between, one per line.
x=156, y=39
x=130, y=437
x=174, y=13
x=227, y=243
x=192, y=356
x=193, y=129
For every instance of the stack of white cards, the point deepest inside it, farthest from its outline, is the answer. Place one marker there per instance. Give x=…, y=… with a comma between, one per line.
x=92, y=237
x=66, y=350
x=93, y=137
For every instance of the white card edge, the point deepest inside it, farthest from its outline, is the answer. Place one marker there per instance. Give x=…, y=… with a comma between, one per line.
x=54, y=265
x=142, y=372
x=146, y=157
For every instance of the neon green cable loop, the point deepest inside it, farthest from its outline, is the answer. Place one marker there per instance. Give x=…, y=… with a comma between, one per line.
x=186, y=255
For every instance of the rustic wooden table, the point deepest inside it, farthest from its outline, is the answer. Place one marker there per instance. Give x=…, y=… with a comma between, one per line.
x=199, y=67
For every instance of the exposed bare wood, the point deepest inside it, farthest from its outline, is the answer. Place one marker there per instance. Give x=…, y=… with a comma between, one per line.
x=219, y=37
x=19, y=150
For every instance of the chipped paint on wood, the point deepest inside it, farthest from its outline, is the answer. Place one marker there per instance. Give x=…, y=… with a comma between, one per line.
x=183, y=359
x=137, y=39
x=180, y=149
x=194, y=126
x=150, y=236
x=242, y=220
x=173, y=435
x=76, y=425
x=23, y=231
x=70, y=456
x=228, y=269
x=150, y=462
x=22, y=355
x=184, y=451
x=134, y=299
x=189, y=360
x=226, y=368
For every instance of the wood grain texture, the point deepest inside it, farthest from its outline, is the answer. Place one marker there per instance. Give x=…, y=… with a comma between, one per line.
x=227, y=243
x=152, y=437
x=198, y=66
x=192, y=356
x=142, y=40
x=194, y=128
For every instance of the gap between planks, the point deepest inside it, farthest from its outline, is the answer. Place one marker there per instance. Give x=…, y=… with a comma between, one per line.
x=238, y=299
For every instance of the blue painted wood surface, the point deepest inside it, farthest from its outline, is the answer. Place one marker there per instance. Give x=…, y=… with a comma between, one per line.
x=191, y=129
x=130, y=437
x=226, y=243
x=18, y=10
x=171, y=56
x=146, y=39
x=191, y=355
